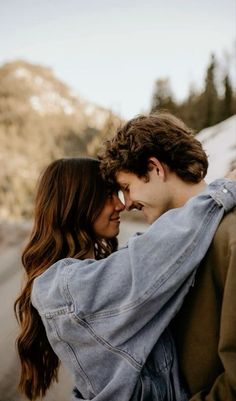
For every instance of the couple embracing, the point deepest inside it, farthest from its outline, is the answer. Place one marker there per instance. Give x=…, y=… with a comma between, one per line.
x=156, y=319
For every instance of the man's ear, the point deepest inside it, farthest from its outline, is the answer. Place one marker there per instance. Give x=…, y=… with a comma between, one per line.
x=161, y=168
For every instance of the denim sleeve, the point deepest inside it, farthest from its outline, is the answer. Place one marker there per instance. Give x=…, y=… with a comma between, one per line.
x=154, y=265
x=130, y=297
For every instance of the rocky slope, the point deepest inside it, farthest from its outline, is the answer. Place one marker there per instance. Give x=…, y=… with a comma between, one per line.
x=41, y=120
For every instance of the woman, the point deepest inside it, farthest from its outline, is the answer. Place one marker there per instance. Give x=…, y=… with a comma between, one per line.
x=105, y=316
x=76, y=215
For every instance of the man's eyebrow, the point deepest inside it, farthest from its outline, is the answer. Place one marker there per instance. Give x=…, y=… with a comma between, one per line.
x=120, y=182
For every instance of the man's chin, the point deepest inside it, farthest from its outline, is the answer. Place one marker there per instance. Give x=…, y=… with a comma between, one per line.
x=150, y=219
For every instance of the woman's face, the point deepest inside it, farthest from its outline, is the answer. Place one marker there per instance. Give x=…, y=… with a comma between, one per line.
x=107, y=223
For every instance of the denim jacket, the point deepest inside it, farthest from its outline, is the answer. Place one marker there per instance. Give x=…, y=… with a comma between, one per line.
x=106, y=319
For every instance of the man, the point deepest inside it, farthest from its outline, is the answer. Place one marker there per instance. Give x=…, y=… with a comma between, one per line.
x=159, y=164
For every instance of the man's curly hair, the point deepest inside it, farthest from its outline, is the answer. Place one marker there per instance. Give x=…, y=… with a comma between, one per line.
x=159, y=135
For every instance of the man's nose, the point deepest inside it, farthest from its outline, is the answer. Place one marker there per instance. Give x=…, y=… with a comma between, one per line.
x=128, y=203
x=119, y=206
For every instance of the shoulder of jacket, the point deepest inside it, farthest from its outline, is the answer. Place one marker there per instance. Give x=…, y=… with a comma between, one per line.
x=226, y=231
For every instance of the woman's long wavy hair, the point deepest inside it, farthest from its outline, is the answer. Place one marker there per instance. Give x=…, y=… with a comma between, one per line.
x=70, y=196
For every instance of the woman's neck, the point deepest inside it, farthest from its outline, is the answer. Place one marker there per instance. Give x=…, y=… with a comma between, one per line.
x=90, y=254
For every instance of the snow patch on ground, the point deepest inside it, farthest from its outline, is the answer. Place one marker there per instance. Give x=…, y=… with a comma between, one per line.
x=219, y=142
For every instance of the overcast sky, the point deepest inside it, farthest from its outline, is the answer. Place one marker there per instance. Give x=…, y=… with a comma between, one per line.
x=112, y=51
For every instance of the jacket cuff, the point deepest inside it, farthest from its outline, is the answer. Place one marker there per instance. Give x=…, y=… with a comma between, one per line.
x=225, y=196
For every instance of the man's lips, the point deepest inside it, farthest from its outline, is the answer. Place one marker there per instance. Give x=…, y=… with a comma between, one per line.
x=138, y=206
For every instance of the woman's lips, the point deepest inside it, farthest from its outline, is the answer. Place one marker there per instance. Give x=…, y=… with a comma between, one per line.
x=117, y=219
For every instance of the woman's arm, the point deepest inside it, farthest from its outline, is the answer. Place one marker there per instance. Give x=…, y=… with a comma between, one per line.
x=146, y=274
x=168, y=251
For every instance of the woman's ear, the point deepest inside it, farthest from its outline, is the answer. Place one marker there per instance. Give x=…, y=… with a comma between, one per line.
x=154, y=163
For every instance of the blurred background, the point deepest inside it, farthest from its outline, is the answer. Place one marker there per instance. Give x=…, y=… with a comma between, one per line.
x=71, y=72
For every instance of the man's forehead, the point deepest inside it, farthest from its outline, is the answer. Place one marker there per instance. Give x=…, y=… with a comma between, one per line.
x=122, y=176
x=126, y=177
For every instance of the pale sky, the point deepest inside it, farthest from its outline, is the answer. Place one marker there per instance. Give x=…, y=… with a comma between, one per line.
x=111, y=51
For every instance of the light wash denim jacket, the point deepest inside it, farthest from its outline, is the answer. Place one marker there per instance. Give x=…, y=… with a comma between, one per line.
x=106, y=319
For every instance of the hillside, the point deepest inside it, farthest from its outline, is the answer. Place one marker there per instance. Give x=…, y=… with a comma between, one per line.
x=41, y=120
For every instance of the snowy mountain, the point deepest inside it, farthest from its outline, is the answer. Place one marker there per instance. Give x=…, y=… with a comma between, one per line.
x=219, y=142
x=36, y=87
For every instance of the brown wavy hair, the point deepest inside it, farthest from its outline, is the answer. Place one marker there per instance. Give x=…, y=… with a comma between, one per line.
x=69, y=198
x=161, y=135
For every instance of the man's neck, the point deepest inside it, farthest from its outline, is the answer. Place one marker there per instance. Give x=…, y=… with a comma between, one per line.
x=183, y=191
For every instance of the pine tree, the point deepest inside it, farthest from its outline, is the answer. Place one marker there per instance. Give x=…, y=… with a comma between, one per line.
x=227, y=102
x=209, y=97
x=162, y=97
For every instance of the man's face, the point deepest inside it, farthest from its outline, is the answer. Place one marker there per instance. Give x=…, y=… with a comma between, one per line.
x=150, y=195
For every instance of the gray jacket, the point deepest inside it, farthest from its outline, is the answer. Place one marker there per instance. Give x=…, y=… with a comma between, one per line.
x=106, y=319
